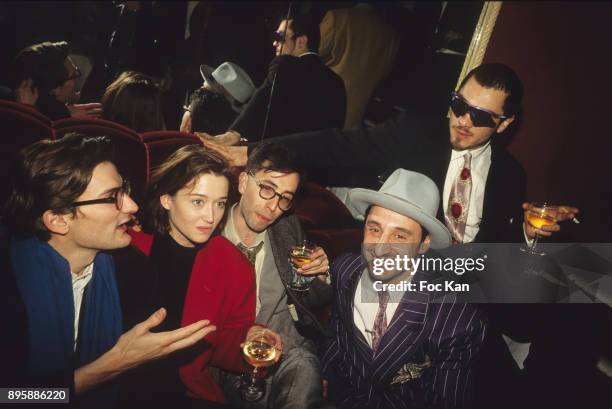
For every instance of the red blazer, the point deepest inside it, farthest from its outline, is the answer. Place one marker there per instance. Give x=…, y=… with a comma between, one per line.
x=222, y=290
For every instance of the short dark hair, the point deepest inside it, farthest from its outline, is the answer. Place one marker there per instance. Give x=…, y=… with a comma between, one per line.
x=305, y=24
x=43, y=63
x=272, y=156
x=134, y=100
x=210, y=112
x=51, y=175
x=175, y=173
x=501, y=77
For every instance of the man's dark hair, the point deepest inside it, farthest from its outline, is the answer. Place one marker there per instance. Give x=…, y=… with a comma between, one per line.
x=501, y=77
x=43, y=63
x=210, y=112
x=273, y=157
x=51, y=175
x=305, y=24
x=175, y=173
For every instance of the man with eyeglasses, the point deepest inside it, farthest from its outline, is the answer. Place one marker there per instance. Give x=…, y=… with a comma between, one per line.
x=450, y=151
x=61, y=311
x=44, y=75
x=299, y=94
x=261, y=227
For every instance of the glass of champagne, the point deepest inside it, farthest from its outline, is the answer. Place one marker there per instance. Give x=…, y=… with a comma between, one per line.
x=259, y=350
x=539, y=215
x=298, y=256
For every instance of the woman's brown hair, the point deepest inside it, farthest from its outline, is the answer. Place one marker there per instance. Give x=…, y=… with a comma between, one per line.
x=178, y=171
x=134, y=100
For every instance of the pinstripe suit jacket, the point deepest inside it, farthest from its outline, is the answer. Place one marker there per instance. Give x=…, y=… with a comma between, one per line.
x=446, y=333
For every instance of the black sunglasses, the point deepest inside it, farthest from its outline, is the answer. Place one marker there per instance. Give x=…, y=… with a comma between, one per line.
x=480, y=117
x=116, y=198
x=279, y=36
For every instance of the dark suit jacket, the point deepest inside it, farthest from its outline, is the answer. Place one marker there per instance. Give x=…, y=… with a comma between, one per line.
x=365, y=157
x=449, y=333
x=307, y=96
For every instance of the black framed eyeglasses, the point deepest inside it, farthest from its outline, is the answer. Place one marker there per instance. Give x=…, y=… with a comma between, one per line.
x=116, y=197
x=267, y=192
x=480, y=117
x=76, y=72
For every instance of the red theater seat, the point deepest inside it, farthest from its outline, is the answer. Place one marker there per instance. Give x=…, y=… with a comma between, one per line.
x=162, y=144
x=93, y=126
x=318, y=208
x=27, y=110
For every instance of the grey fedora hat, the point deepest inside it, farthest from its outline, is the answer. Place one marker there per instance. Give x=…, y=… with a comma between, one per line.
x=231, y=78
x=410, y=194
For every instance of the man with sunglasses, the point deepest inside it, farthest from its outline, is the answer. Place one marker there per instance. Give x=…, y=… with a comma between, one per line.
x=61, y=311
x=485, y=104
x=302, y=93
x=261, y=226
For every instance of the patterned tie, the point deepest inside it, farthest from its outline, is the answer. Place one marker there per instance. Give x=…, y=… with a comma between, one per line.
x=380, y=322
x=250, y=252
x=459, y=201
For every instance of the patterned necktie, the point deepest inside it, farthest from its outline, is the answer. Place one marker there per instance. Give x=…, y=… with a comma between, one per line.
x=250, y=252
x=380, y=322
x=459, y=201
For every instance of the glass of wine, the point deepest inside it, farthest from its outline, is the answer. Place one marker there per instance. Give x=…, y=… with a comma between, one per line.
x=539, y=215
x=298, y=256
x=260, y=351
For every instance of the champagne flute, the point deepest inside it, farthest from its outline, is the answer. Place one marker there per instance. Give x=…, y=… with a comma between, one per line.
x=260, y=351
x=540, y=214
x=300, y=255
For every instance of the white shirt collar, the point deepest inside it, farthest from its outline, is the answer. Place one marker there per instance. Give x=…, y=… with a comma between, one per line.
x=307, y=53
x=230, y=233
x=456, y=154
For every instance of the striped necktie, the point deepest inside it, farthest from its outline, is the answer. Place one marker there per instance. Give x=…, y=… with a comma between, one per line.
x=250, y=252
x=380, y=322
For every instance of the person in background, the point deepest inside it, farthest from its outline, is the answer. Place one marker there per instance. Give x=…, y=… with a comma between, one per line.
x=134, y=100
x=44, y=75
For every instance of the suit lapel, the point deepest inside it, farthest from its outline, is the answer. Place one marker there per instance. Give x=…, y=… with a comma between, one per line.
x=349, y=286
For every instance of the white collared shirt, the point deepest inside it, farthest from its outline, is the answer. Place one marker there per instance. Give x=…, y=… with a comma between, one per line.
x=366, y=307
x=481, y=163
x=230, y=233
x=79, y=282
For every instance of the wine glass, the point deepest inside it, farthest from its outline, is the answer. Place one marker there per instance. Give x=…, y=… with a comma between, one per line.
x=259, y=350
x=540, y=214
x=298, y=256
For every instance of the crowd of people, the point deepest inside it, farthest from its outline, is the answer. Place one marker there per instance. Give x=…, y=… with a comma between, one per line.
x=155, y=303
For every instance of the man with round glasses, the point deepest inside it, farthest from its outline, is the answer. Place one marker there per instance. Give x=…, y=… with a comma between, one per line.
x=486, y=104
x=61, y=310
x=260, y=226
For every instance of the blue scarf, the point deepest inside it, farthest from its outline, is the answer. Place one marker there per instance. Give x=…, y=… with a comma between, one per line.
x=45, y=283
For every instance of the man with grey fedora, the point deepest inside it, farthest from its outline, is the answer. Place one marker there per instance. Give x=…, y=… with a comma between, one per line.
x=394, y=346
x=213, y=107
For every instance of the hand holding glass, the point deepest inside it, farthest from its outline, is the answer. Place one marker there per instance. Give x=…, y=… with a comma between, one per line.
x=259, y=351
x=539, y=215
x=300, y=255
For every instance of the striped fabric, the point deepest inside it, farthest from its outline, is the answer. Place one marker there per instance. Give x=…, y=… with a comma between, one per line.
x=443, y=337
